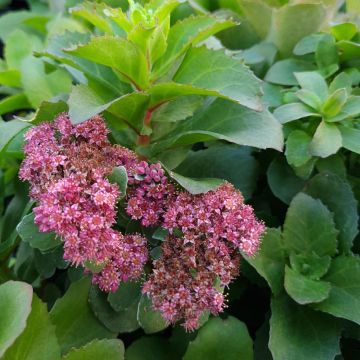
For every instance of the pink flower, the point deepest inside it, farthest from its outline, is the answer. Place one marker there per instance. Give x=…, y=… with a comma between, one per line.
x=66, y=166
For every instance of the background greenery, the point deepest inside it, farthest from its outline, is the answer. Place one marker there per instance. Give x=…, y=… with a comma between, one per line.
x=179, y=82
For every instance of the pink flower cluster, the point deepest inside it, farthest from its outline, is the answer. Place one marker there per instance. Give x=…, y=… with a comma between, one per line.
x=150, y=193
x=66, y=166
x=189, y=277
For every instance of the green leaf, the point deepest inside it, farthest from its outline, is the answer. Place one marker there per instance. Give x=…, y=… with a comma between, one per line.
x=326, y=141
x=350, y=138
x=343, y=80
x=348, y=50
x=86, y=101
x=38, y=340
x=117, y=321
x=309, y=98
x=333, y=164
x=39, y=85
x=119, y=176
x=150, y=320
x=334, y=103
x=282, y=180
x=297, y=332
x=214, y=70
x=95, y=73
x=297, y=148
x=10, y=78
x=47, y=111
x=338, y=197
x=18, y=46
x=311, y=265
x=15, y=302
x=177, y=109
x=352, y=6
x=303, y=289
x=227, y=121
x=344, y=299
x=14, y=102
x=46, y=264
x=196, y=186
x=326, y=54
x=119, y=54
x=92, y=13
x=221, y=339
x=14, y=20
x=75, y=323
x=282, y=72
x=185, y=33
x=269, y=261
x=8, y=130
x=167, y=91
x=196, y=165
x=126, y=295
x=293, y=111
x=112, y=349
x=150, y=348
x=349, y=110
x=309, y=227
x=314, y=82
x=29, y=232
x=344, y=31
x=292, y=22
x=308, y=44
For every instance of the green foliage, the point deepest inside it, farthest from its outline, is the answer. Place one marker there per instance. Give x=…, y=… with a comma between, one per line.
x=15, y=298
x=75, y=323
x=221, y=338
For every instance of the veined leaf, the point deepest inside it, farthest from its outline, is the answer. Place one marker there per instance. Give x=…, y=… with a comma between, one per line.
x=119, y=54
x=187, y=32
x=227, y=121
x=213, y=70
x=91, y=12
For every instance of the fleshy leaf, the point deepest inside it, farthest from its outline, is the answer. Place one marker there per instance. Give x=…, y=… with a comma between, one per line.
x=309, y=227
x=221, y=339
x=299, y=332
x=15, y=302
x=344, y=298
x=75, y=323
x=303, y=289
x=269, y=261
x=38, y=341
